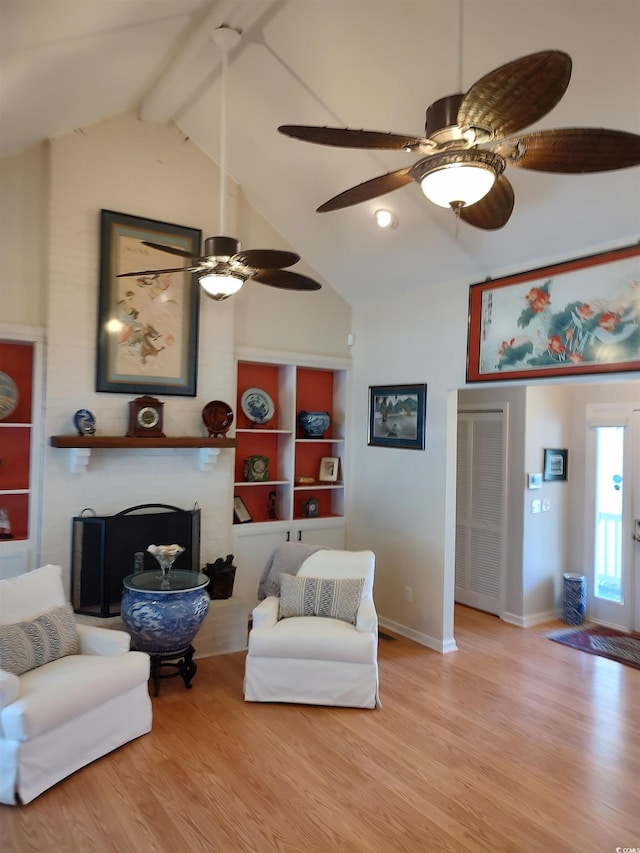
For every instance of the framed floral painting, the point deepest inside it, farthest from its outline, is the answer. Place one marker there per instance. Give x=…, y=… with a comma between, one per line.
x=581, y=316
x=148, y=322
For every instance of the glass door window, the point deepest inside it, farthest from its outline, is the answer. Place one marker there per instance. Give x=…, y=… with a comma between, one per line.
x=607, y=575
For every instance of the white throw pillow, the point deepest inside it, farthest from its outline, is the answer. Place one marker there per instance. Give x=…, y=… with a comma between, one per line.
x=26, y=596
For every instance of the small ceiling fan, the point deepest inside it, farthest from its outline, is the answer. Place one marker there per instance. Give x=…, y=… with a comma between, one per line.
x=223, y=268
x=469, y=142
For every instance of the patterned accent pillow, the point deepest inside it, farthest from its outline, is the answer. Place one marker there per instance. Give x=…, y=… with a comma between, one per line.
x=335, y=599
x=27, y=645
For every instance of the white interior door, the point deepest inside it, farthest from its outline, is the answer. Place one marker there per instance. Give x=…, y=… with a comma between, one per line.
x=480, y=509
x=612, y=505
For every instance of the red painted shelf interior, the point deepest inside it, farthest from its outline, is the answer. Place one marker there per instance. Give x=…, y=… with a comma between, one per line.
x=16, y=360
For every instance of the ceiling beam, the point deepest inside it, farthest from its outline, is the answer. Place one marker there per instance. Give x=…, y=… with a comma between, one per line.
x=178, y=82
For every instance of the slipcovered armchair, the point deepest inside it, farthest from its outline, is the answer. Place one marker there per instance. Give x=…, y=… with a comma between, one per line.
x=329, y=657
x=68, y=693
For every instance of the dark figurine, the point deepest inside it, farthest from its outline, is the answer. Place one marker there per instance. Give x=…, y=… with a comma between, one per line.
x=271, y=506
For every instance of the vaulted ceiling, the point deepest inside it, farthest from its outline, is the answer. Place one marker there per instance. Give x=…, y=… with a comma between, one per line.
x=375, y=64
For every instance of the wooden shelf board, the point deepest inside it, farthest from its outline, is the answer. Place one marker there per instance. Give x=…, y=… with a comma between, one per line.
x=115, y=441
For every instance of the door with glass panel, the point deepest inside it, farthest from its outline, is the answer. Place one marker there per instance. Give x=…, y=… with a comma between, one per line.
x=613, y=516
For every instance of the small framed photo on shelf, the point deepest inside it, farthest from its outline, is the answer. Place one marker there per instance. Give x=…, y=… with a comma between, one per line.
x=329, y=469
x=241, y=514
x=555, y=464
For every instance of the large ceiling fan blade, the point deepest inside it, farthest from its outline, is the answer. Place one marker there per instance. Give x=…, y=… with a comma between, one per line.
x=272, y=259
x=172, y=251
x=368, y=190
x=285, y=280
x=494, y=210
x=517, y=94
x=159, y=272
x=572, y=150
x=346, y=138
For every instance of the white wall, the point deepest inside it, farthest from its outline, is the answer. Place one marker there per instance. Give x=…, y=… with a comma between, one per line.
x=546, y=535
x=398, y=505
x=146, y=170
x=23, y=236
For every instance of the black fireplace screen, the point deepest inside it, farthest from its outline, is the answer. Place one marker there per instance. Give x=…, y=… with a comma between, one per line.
x=105, y=549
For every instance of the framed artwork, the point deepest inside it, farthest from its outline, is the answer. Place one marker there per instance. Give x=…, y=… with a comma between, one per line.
x=397, y=416
x=555, y=464
x=577, y=317
x=241, y=514
x=147, y=324
x=329, y=469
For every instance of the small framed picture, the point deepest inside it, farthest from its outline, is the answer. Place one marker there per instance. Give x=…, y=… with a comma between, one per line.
x=555, y=464
x=241, y=514
x=397, y=416
x=329, y=469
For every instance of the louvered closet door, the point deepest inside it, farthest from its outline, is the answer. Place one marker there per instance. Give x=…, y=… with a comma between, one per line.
x=481, y=463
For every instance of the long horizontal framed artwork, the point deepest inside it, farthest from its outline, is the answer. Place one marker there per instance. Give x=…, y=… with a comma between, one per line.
x=576, y=317
x=147, y=323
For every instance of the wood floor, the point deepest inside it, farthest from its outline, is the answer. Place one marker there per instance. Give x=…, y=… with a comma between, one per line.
x=512, y=743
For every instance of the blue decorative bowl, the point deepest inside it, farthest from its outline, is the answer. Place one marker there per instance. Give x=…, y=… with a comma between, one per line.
x=164, y=612
x=313, y=424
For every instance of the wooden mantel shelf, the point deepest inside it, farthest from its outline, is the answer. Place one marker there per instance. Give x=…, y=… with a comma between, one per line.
x=82, y=445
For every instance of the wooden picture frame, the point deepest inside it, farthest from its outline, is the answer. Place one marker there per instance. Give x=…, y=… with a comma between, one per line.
x=241, y=514
x=555, y=464
x=397, y=415
x=147, y=324
x=329, y=466
x=577, y=317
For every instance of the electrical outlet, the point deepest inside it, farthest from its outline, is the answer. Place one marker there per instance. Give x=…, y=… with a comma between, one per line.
x=546, y=505
x=408, y=593
x=536, y=506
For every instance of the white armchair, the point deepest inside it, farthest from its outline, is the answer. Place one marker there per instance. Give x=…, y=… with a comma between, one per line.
x=82, y=694
x=314, y=659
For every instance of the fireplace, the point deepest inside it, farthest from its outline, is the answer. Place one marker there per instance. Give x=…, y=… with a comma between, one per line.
x=105, y=549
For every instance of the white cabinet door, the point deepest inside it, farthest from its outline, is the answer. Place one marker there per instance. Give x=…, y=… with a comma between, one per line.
x=252, y=547
x=326, y=532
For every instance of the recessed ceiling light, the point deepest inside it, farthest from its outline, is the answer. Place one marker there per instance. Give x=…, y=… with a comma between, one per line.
x=386, y=219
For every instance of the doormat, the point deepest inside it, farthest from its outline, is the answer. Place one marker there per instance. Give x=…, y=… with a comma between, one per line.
x=604, y=642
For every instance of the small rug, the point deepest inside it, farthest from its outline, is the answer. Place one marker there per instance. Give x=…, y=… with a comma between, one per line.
x=604, y=642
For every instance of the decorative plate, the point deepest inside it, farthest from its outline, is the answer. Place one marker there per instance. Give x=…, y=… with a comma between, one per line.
x=84, y=422
x=217, y=417
x=257, y=405
x=8, y=395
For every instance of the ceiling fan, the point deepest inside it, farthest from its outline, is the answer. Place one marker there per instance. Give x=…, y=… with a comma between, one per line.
x=469, y=141
x=223, y=268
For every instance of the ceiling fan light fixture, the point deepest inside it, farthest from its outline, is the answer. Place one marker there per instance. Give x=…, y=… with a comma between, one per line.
x=220, y=286
x=458, y=178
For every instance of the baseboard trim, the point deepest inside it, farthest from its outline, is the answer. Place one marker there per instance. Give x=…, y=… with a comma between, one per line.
x=442, y=646
x=532, y=619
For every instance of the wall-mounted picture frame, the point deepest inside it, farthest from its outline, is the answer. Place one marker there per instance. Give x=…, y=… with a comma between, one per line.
x=577, y=317
x=397, y=416
x=555, y=464
x=241, y=514
x=329, y=466
x=147, y=323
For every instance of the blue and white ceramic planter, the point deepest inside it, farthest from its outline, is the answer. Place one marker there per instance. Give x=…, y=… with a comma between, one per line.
x=164, y=612
x=574, y=598
x=313, y=424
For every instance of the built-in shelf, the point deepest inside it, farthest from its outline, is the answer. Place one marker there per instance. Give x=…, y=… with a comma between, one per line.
x=82, y=445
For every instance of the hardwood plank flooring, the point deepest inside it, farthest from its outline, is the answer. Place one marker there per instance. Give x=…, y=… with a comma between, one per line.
x=512, y=743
